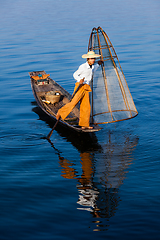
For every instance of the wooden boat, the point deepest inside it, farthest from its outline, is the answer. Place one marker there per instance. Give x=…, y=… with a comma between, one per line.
x=50, y=97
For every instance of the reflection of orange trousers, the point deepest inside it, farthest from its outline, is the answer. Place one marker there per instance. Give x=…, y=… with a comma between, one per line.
x=83, y=96
x=68, y=170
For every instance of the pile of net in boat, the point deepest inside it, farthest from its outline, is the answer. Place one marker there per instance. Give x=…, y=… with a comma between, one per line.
x=111, y=98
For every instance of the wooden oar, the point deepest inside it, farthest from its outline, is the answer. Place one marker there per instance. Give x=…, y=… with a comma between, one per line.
x=50, y=133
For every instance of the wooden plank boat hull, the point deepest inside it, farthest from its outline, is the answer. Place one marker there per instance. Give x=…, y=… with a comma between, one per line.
x=50, y=97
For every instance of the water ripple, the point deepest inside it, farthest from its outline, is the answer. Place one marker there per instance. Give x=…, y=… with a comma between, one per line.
x=13, y=141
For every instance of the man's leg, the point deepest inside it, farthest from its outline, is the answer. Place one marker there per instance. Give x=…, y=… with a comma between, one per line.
x=85, y=110
x=65, y=110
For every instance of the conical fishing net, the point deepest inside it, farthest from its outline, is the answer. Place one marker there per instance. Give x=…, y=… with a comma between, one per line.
x=111, y=98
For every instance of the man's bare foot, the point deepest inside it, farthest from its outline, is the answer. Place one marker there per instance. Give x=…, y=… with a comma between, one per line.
x=58, y=116
x=87, y=128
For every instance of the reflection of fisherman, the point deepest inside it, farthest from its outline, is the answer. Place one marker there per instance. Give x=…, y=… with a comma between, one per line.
x=87, y=193
x=83, y=76
x=99, y=183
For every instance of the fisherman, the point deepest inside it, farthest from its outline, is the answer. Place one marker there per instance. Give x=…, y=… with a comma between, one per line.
x=83, y=76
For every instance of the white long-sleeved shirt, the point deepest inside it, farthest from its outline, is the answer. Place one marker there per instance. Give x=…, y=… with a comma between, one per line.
x=86, y=72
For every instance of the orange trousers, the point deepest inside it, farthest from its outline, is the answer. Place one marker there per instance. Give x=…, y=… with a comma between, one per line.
x=85, y=109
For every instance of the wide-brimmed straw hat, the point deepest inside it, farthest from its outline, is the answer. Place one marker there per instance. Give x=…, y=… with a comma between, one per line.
x=91, y=54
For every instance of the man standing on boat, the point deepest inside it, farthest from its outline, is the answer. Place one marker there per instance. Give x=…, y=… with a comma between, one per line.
x=83, y=76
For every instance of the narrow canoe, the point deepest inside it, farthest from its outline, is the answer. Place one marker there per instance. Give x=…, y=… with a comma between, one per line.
x=50, y=97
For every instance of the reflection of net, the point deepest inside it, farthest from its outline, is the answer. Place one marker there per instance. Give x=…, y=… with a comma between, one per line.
x=112, y=100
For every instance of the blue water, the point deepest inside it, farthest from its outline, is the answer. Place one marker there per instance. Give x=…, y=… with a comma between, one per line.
x=101, y=187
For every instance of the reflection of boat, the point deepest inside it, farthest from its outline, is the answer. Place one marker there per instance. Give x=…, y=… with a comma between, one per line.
x=50, y=97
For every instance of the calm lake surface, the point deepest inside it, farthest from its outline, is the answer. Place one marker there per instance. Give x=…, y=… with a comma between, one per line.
x=106, y=186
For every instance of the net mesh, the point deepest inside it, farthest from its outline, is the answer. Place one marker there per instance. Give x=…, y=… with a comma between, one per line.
x=112, y=100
